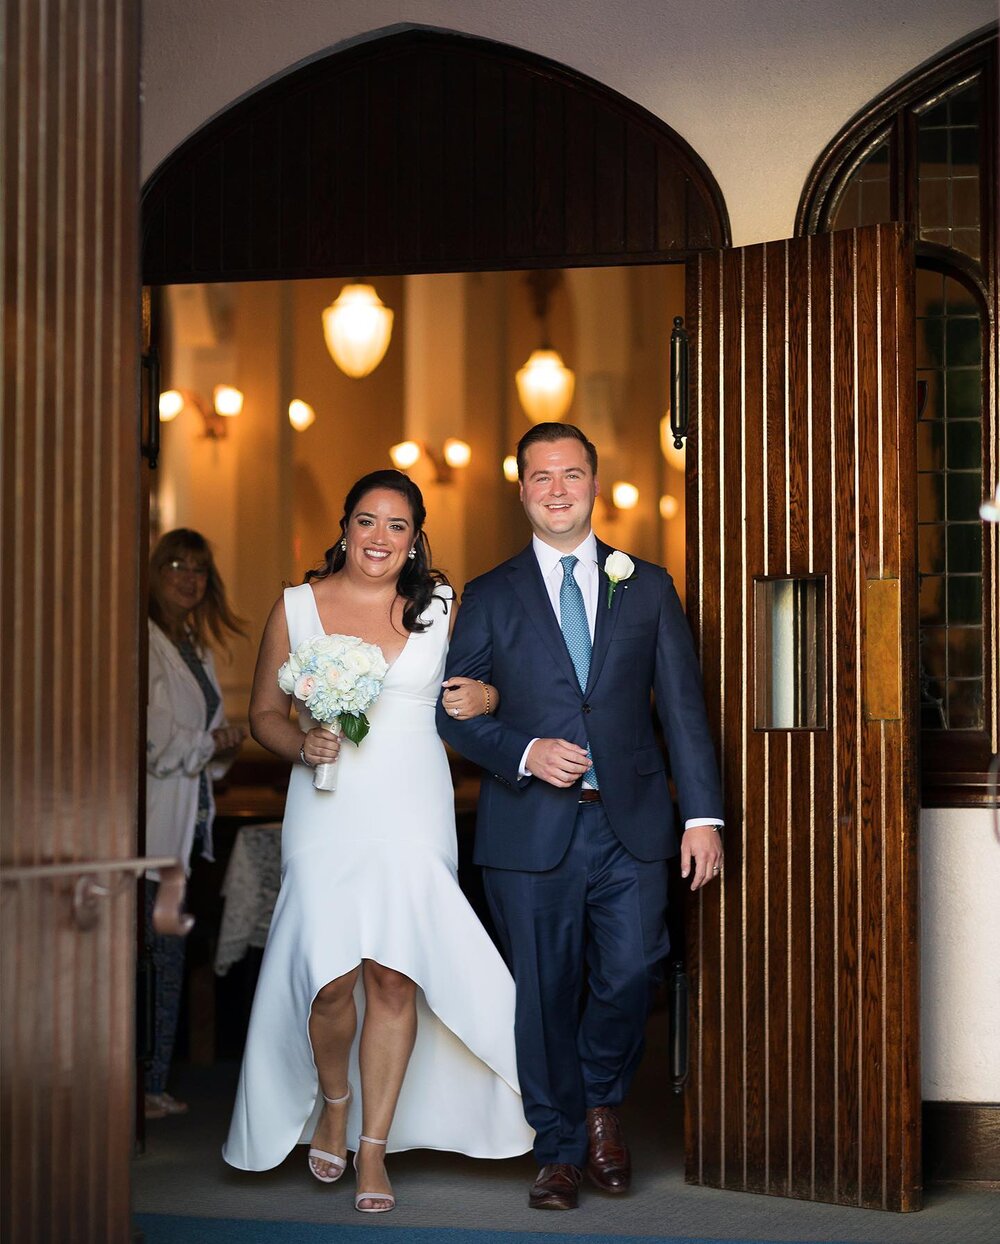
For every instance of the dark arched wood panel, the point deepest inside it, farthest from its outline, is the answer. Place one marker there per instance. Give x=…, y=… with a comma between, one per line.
x=421, y=152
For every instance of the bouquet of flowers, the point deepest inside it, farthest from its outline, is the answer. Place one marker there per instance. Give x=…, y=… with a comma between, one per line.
x=337, y=677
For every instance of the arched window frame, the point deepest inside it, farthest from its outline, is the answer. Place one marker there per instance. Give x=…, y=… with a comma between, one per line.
x=954, y=763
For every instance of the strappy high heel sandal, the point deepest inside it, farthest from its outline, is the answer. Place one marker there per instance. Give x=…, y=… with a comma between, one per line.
x=372, y=1196
x=333, y=1158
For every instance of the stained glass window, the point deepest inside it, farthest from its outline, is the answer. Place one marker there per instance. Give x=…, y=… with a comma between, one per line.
x=948, y=164
x=949, y=490
x=865, y=199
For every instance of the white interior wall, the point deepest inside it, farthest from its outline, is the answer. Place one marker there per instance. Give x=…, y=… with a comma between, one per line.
x=960, y=956
x=758, y=91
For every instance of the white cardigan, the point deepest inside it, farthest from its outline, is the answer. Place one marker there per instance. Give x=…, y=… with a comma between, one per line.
x=178, y=748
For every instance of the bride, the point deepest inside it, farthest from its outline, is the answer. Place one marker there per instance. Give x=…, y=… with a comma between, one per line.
x=383, y=1018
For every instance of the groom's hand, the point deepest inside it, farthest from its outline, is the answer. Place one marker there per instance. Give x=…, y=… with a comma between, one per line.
x=701, y=846
x=556, y=761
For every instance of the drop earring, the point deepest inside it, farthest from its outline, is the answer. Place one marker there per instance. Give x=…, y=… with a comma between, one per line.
x=412, y=553
x=343, y=543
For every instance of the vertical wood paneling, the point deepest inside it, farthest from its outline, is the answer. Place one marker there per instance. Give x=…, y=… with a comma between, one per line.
x=424, y=151
x=805, y=1003
x=69, y=486
x=730, y=525
x=753, y=744
x=704, y=1140
x=822, y=829
x=777, y=779
x=799, y=928
x=846, y=711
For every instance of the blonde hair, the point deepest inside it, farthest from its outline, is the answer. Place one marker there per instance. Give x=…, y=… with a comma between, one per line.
x=214, y=616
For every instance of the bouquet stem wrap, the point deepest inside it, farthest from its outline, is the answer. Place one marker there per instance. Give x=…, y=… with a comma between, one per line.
x=325, y=776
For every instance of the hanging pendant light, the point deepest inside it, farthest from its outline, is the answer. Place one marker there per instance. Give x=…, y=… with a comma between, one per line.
x=545, y=386
x=357, y=328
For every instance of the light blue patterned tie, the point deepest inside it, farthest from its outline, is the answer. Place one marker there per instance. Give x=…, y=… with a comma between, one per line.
x=576, y=632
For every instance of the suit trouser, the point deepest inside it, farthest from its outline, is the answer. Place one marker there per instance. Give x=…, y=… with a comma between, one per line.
x=586, y=943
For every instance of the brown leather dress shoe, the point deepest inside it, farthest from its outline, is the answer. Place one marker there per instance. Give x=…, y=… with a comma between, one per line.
x=609, y=1165
x=556, y=1187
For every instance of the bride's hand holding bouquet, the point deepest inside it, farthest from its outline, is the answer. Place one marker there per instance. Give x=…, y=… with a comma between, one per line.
x=337, y=678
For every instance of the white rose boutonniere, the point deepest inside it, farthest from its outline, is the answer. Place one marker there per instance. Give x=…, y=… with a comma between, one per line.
x=618, y=567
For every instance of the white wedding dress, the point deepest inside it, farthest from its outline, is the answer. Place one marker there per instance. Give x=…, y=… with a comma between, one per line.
x=369, y=872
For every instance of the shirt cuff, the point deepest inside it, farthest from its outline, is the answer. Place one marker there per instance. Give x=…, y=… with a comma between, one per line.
x=693, y=822
x=522, y=769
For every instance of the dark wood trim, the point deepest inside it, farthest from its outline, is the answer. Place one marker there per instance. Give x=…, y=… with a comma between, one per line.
x=954, y=769
x=961, y=1141
x=426, y=151
x=979, y=50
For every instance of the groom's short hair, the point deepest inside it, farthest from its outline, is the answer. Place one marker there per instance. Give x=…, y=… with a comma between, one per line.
x=547, y=433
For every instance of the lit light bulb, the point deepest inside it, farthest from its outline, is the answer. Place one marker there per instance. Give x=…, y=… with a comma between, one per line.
x=669, y=506
x=171, y=405
x=545, y=386
x=457, y=453
x=357, y=328
x=990, y=509
x=624, y=495
x=228, y=400
x=300, y=414
x=510, y=469
x=405, y=454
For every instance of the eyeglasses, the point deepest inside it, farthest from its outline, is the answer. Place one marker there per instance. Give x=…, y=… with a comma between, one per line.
x=177, y=567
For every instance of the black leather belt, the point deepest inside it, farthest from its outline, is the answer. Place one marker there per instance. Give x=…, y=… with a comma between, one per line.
x=587, y=795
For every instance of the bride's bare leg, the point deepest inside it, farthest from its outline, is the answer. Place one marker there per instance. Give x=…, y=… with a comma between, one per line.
x=332, y=1022
x=387, y=1037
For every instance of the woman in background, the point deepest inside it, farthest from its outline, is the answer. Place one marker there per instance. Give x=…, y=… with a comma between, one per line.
x=188, y=743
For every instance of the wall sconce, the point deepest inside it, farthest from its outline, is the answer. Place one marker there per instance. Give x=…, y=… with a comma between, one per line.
x=544, y=384
x=510, y=468
x=300, y=414
x=668, y=507
x=455, y=455
x=227, y=403
x=624, y=496
x=357, y=328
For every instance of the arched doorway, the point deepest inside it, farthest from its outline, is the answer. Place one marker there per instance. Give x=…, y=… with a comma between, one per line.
x=425, y=152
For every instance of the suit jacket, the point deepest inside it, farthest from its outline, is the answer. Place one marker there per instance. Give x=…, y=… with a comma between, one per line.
x=506, y=633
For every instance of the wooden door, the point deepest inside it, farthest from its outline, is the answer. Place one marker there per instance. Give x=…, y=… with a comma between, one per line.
x=70, y=617
x=801, y=587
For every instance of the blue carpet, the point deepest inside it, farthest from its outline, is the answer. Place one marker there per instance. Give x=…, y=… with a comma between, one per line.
x=173, y=1229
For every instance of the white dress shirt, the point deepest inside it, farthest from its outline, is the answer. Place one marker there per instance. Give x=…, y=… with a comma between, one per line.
x=587, y=575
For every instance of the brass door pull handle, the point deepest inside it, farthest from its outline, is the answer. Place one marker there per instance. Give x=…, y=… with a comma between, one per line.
x=115, y=875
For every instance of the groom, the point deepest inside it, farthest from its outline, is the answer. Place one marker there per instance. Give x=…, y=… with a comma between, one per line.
x=575, y=820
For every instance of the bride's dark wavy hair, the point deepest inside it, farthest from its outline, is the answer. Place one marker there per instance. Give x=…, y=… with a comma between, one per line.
x=417, y=580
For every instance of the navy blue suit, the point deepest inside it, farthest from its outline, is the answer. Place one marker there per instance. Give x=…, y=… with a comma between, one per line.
x=578, y=890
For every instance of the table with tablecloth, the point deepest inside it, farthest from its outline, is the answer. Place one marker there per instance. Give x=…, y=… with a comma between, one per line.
x=250, y=890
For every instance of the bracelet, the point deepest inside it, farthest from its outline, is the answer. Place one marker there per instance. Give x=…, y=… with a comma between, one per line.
x=302, y=756
x=487, y=699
